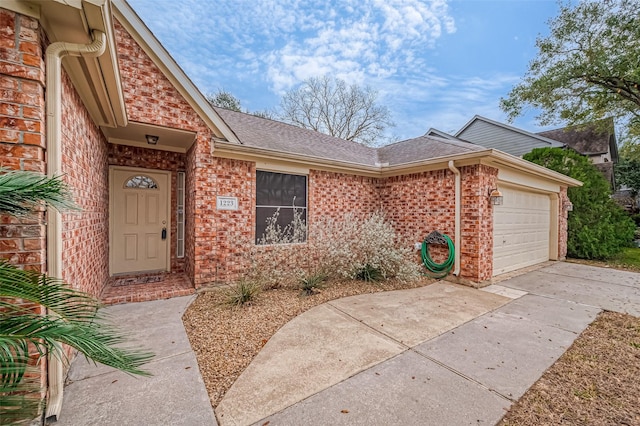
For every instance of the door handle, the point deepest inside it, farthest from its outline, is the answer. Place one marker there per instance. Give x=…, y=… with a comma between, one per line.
x=164, y=233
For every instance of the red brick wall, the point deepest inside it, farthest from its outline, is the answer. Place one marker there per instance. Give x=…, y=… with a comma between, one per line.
x=419, y=203
x=335, y=194
x=151, y=98
x=476, y=245
x=22, y=115
x=129, y=156
x=563, y=216
x=85, y=234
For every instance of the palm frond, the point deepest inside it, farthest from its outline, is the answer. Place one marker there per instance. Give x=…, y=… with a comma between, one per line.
x=22, y=192
x=15, y=407
x=52, y=293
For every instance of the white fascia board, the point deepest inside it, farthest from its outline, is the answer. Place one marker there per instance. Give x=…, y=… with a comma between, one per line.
x=163, y=60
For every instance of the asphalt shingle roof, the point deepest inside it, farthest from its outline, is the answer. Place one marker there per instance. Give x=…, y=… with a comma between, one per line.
x=586, y=140
x=258, y=132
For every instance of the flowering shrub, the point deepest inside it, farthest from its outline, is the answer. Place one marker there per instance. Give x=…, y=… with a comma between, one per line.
x=348, y=248
x=353, y=247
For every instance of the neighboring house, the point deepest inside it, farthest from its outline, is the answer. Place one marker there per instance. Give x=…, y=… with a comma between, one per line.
x=597, y=144
x=168, y=183
x=597, y=141
x=492, y=134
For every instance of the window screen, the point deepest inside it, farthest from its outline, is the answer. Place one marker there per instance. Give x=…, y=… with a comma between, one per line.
x=279, y=192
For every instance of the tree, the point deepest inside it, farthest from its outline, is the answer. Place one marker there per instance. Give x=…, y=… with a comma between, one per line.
x=597, y=227
x=329, y=106
x=588, y=67
x=71, y=316
x=224, y=99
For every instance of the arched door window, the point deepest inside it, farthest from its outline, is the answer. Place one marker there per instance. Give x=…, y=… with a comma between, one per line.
x=141, y=182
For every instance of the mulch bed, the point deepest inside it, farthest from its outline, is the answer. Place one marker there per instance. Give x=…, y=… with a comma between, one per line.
x=596, y=382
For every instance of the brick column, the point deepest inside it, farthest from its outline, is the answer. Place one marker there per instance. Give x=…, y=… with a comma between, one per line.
x=477, y=222
x=22, y=115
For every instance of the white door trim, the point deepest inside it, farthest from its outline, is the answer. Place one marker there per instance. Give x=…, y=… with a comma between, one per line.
x=112, y=169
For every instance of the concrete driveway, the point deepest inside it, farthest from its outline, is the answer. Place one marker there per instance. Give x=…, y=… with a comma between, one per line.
x=441, y=354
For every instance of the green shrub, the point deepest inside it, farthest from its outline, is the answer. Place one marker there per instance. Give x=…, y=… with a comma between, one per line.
x=311, y=282
x=597, y=227
x=369, y=273
x=242, y=292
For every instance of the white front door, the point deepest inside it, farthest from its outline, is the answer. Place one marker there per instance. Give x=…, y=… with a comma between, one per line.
x=139, y=207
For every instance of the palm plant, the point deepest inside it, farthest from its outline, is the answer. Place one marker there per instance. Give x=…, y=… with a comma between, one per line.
x=71, y=316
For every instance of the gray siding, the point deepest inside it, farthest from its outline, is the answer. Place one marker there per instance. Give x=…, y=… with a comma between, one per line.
x=491, y=136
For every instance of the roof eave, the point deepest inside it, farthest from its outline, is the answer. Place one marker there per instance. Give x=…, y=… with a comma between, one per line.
x=487, y=156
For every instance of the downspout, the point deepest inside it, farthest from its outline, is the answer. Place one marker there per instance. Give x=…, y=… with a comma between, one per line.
x=456, y=242
x=54, y=54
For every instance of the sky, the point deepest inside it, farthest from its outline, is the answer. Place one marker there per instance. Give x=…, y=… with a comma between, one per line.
x=434, y=63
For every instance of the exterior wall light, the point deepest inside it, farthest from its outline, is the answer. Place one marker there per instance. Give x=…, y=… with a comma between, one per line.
x=151, y=139
x=495, y=196
x=568, y=206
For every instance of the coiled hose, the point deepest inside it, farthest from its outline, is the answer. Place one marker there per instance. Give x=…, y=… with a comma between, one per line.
x=438, y=270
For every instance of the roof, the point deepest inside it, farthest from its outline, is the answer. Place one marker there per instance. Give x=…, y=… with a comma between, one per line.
x=423, y=147
x=265, y=138
x=440, y=133
x=264, y=133
x=258, y=132
x=590, y=139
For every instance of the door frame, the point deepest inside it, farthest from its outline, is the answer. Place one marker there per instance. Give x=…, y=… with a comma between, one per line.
x=112, y=169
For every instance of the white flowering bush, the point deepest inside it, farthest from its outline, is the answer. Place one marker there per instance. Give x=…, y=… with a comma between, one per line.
x=362, y=248
x=355, y=248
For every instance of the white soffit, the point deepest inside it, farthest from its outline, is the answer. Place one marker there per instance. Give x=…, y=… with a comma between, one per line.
x=134, y=134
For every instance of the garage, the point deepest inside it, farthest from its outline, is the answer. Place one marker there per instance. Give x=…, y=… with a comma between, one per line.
x=521, y=229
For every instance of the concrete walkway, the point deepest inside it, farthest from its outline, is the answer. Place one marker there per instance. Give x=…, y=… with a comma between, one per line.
x=443, y=354
x=174, y=395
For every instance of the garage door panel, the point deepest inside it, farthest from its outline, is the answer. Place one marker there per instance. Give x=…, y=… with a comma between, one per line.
x=521, y=230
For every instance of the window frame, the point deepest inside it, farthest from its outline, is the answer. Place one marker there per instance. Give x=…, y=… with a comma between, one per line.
x=292, y=207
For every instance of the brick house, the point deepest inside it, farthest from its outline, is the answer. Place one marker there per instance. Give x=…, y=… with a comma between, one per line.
x=168, y=183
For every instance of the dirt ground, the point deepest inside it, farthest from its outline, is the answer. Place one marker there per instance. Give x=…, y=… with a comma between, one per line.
x=226, y=339
x=596, y=382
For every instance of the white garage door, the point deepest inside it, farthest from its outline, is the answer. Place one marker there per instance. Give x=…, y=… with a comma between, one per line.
x=520, y=230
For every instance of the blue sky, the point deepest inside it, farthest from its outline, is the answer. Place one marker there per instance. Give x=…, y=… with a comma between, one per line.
x=434, y=63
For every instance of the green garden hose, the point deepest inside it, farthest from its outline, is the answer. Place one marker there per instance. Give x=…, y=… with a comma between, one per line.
x=438, y=270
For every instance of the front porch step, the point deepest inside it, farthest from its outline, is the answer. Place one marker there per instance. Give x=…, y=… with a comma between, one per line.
x=145, y=287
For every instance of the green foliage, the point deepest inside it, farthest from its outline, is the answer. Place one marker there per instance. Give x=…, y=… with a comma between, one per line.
x=224, y=99
x=71, y=316
x=369, y=273
x=22, y=193
x=628, y=173
x=311, y=282
x=598, y=228
x=587, y=68
x=242, y=292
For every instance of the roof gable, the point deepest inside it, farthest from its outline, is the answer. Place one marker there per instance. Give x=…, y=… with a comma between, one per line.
x=492, y=134
x=163, y=60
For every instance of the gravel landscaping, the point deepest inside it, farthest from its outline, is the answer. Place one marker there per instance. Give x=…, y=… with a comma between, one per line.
x=596, y=382
x=226, y=339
